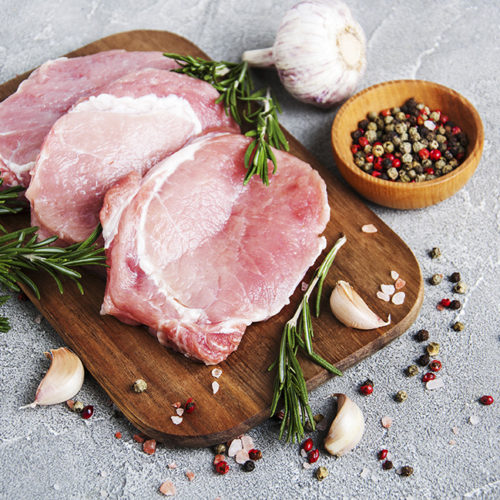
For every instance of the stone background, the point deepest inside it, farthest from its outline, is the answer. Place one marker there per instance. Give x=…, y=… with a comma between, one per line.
x=50, y=453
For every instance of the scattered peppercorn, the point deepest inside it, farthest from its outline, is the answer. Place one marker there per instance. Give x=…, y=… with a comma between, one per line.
x=411, y=371
x=307, y=445
x=190, y=405
x=428, y=376
x=455, y=277
x=118, y=435
x=255, y=454
x=435, y=365
x=486, y=400
x=436, y=279
x=248, y=466
x=432, y=349
x=406, y=471
x=435, y=253
x=87, y=411
x=313, y=456
x=445, y=302
x=382, y=454
x=222, y=467
x=458, y=326
x=139, y=385
x=423, y=360
x=366, y=390
x=387, y=465
x=78, y=406
x=368, y=382
x=460, y=287
x=220, y=449
x=401, y=396
x=422, y=335
x=455, y=304
x=321, y=473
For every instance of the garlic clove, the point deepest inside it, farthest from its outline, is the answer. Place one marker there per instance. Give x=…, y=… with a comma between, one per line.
x=62, y=381
x=347, y=427
x=351, y=310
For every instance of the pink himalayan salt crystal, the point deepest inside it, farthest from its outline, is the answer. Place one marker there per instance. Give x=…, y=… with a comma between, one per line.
x=168, y=488
x=235, y=446
x=386, y=422
x=247, y=442
x=398, y=298
x=454, y=430
x=216, y=372
x=190, y=475
x=383, y=296
x=388, y=289
x=399, y=284
x=177, y=404
x=180, y=411
x=369, y=228
x=241, y=457
x=304, y=286
x=306, y=465
x=172, y=465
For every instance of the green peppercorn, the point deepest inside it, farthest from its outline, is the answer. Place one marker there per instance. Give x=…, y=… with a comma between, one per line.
x=392, y=173
x=423, y=360
x=405, y=147
x=420, y=177
x=412, y=174
x=440, y=164
x=388, y=147
x=359, y=161
x=447, y=169
x=458, y=326
x=436, y=279
x=378, y=150
x=139, y=385
x=400, y=116
x=434, y=144
x=406, y=471
x=371, y=135
x=417, y=146
x=367, y=149
x=389, y=127
x=78, y=407
x=435, y=253
x=401, y=396
x=395, y=110
x=435, y=116
x=248, y=466
x=455, y=304
x=220, y=449
x=407, y=158
x=372, y=115
x=400, y=128
x=460, y=287
x=411, y=371
x=321, y=473
x=372, y=126
x=432, y=349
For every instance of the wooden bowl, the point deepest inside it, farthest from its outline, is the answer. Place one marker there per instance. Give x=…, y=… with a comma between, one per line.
x=395, y=93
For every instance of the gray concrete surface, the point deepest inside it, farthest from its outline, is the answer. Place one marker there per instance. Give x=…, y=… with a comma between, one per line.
x=51, y=453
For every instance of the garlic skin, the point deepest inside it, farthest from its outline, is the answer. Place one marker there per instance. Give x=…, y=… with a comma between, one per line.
x=62, y=381
x=347, y=427
x=351, y=310
x=319, y=52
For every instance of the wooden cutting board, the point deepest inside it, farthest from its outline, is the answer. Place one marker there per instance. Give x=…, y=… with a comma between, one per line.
x=117, y=354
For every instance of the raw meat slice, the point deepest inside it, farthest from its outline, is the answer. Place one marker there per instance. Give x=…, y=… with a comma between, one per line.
x=27, y=116
x=137, y=121
x=197, y=256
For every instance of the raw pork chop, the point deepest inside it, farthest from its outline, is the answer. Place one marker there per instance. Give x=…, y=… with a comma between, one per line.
x=137, y=121
x=197, y=256
x=27, y=116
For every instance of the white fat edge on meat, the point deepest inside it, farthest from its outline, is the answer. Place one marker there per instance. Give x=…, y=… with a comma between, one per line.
x=158, y=175
x=17, y=169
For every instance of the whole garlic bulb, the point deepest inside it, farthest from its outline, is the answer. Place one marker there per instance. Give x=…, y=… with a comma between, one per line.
x=319, y=52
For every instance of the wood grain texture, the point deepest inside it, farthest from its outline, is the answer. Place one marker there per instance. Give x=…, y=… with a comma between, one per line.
x=117, y=354
x=395, y=93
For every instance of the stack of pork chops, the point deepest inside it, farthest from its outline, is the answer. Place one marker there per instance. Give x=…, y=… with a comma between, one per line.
x=193, y=253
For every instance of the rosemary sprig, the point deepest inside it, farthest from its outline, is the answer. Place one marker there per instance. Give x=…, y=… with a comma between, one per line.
x=289, y=383
x=20, y=252
x=4, y=322
x=10, y=202
x=259, y=108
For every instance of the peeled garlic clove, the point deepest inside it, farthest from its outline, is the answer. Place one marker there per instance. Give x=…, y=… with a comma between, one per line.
x=63, y=380
x=347, y=427
x=351, y=310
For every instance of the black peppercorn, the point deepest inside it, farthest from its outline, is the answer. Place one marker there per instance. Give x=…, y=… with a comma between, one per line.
x=422, y=335
x=455, y=304
x=423, y=360
x=455, y=277
x=356, y=134
x=406, y=471
x=387, y=465
x=363, y=124
x=248, y=466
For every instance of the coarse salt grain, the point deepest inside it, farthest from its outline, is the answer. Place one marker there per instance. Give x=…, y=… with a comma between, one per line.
x=241, y=457
x=219, y=458
x=454, y=430
x=215, y=387
x=383, y=296
x=180, y=411
x=394, y=275
x=387, y=289
x=303, y=453
x=176, y=419
x=452, y=442
x=168, y=488
x=369, y=228
x=235, y=446
x=386, y=422
x=70, y=403
x=437, y=383
x=38, y=319
x=365, y=473
x=399, y=284
x=398, y=298
x=429, y=124
x=474, y=419
x=190, y=475
x=306, y=465
x=172, y=465
x=247, y=443
x=216, y=372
